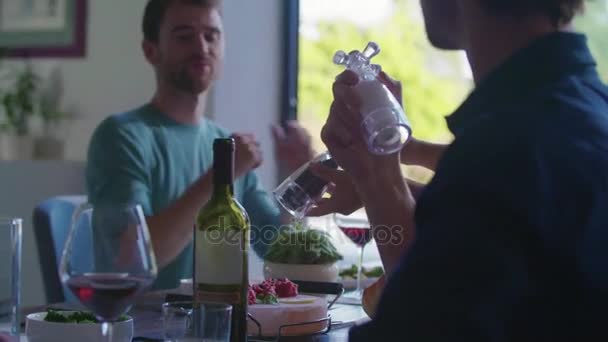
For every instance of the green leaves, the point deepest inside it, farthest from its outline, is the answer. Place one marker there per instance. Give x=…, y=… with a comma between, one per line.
x=351, y=272
x=80, y=317
x=19, y=101
x=267, y=298
x=433, y=83
x=304, y=246
x=75, y=317
x=593, y=22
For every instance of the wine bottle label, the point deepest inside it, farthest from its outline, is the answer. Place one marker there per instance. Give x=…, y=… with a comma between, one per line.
x=219, y=257
x=224, y=294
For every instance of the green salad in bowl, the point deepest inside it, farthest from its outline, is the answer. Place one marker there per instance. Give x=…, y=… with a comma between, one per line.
x=80, y=317
x=60, y=326
x=302, y=253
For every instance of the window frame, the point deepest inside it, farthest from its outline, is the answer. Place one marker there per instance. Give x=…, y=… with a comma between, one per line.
x=289, y=98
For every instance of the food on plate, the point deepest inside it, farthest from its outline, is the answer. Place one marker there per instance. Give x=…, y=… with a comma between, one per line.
x=374, y=272
x=292, y=310
x=304, y=246
x=285, y=288
x=80, y=317
x=270, y=290
x=351, y=272
x=371, y=296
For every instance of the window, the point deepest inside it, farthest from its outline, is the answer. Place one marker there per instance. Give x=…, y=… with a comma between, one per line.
x=434, y=82
x=594, y=23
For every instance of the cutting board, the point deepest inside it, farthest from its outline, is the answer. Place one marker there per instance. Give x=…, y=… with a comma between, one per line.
x=293, y=310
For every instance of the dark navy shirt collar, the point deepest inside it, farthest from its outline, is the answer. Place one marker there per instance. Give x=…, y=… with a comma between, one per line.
x=546, y=60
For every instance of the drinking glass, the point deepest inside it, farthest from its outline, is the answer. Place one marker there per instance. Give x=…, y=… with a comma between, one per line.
x=357, y=228
x=300, y=191
x=187, y=321
x=108, y=260
x=10, y=276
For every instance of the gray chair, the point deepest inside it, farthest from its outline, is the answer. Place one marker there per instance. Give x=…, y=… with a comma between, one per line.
x=52, y=219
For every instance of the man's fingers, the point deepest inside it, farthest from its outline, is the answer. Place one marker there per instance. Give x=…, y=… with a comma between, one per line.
x=241, y=136
x=326, y=173
x=259, y=160
x=387, y=80
x=337, y=136
x=278, y=133
x=335, y=130
x=348, y=77
x=345, y=94
x=324, y=207
x=393, y=85
x=293, y=125
x=245, y=139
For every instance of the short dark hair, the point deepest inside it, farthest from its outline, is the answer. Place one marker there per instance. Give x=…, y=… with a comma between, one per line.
x=155, y=12
x=559, y=11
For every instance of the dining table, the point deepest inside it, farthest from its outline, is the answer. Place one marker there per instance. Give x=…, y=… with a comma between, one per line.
x=147, y=319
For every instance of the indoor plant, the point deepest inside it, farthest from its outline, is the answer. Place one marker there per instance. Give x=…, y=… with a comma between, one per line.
x=302, y=253
x=18, y=102
x=25, y=95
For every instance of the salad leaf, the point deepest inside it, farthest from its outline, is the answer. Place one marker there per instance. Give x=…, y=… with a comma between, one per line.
x=53, y=316
x=80, y=317
x=267, y=298
x=351, y=272
x=302, y=245
x=375, y=272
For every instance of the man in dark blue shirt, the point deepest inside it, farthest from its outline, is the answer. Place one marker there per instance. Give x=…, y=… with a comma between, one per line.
x=511, y=234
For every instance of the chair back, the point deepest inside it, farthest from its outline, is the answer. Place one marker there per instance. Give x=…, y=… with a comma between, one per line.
x=52, y=219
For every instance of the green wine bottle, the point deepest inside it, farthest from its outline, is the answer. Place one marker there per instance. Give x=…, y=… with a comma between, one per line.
x=221, y=244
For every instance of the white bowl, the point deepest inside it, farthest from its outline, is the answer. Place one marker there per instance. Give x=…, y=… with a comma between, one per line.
x=321, y=273
x=39, y=330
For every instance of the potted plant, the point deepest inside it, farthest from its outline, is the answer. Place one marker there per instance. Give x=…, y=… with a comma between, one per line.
x=18, y=103
x=24, y=99
x=302, y=253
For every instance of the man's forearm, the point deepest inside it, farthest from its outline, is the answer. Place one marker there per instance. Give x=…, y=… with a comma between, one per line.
x=422, y=153
x=390, y=208
x=415, y=188
x=172, y=229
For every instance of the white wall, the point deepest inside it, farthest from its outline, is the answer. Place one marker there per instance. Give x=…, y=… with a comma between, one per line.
x=25, y=184
x=248, y=96
x=115, y=77
x=112, y=78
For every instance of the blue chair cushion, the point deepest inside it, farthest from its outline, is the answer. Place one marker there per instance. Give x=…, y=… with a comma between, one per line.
x=52, y=221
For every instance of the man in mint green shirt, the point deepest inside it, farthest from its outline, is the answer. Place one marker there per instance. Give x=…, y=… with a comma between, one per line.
x=160, y=154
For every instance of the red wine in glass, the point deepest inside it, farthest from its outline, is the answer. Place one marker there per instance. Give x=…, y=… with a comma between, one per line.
x=356, y=227
x=360, y=236
x=108, y=259
x=108, y=295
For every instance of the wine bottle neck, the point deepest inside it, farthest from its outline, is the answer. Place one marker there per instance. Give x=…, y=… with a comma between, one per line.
x=223, y=190
x=223, y=168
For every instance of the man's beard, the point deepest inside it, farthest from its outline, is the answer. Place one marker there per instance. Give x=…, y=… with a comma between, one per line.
x=182, y=81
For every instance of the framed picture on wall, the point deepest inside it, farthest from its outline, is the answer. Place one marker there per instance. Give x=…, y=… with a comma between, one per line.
x=43, y=28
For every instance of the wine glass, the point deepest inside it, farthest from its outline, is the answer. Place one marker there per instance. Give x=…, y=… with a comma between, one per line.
x=108, y=260
x=357, y=228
